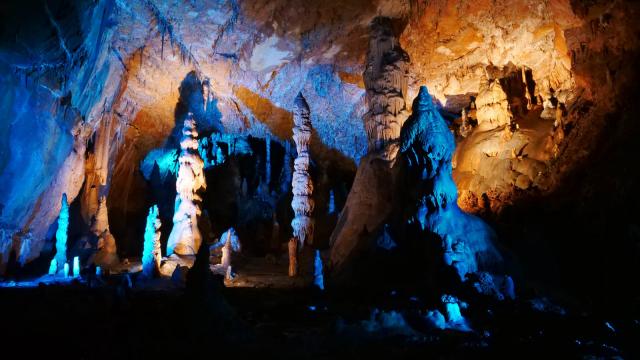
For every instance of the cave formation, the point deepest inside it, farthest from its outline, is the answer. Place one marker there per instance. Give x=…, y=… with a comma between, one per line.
x=343, y=178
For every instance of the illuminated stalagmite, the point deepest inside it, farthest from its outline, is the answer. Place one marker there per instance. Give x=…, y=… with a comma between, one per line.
x=301, y=184
x=61, y=233
x=492, y=105
x=428, y=145
x=229, y=243
x=385, y=79
x=151, y=252
x=185, y=238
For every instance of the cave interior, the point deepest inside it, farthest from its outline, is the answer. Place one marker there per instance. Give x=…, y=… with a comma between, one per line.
x=289, y=178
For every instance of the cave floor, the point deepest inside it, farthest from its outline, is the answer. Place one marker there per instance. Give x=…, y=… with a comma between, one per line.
x=111, y=320
x=260, y=272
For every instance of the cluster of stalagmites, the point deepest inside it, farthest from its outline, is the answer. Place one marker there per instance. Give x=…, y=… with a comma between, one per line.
x=385, y=79
x=185, y=237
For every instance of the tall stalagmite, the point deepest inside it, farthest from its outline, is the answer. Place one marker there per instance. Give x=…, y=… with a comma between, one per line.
x=185, y=237
x=385, y=78
x=465, y=241
x=372, y=196
x=151, y=252
x=61, y=233
x=302, y=186
x=107, y=254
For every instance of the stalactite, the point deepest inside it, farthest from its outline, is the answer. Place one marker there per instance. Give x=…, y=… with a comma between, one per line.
x=165, y=27
x=206, y=92
x=301, y=183
x=185, y=237
x=267, y=167
x=285, y=181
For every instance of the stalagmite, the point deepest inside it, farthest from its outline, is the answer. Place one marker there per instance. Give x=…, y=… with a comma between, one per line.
x=53, y=267
x=293, y=256
x=230, y=243
x=492, y=105
x=93, y=197
x=302, y=186
x=76, y=267
x=65, y=269
x=465, y=126
x=373, y=195
x=385, y=79
x=61, y=233
x=428, y=145
x=151, y=252
x=332, y=203
x=185, y=238
x=318, y=275
x=107, y=254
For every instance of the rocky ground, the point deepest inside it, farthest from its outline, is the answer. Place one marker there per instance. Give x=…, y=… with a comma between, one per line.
x=112, y=320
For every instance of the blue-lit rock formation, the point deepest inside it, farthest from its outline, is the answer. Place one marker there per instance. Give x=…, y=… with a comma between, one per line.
x=427, y=145
x=62, y=233
x=151, y=252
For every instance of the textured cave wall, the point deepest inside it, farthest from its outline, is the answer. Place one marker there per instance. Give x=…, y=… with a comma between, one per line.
x=69, y=68
x=55, y=90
